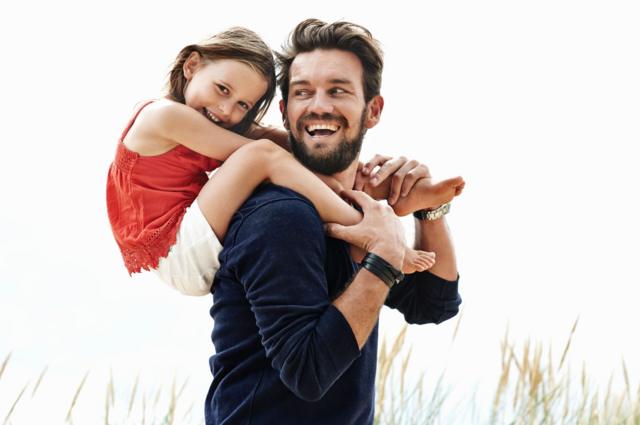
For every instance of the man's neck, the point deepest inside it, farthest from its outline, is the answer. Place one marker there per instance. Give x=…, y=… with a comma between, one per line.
x=347, y=178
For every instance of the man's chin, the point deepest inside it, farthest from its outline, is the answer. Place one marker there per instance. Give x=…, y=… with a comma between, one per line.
x=325, y=159
x=323, y=143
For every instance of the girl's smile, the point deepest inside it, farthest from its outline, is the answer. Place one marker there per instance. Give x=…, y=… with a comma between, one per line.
x=222, y=90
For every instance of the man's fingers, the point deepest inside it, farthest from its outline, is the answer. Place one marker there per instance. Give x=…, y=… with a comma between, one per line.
x=398, y=181
x=386, y=169
x=373, y=163
x=361, y=181
x=418, y=172
x=407, y=184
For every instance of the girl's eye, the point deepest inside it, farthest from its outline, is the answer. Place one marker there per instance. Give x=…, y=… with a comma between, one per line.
x=223, y=89
x=244, y=106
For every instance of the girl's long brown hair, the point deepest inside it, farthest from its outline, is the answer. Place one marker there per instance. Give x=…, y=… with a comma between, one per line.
x=239, y=44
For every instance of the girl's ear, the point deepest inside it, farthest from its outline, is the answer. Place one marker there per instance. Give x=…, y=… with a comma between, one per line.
x=191, y=65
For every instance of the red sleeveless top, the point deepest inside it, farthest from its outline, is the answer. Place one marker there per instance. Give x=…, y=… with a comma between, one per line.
x=147, y=197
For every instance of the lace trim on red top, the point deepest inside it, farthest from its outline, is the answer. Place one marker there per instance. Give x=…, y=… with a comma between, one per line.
x=147, y=197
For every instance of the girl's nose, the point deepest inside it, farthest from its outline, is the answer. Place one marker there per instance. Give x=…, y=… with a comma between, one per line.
x=224, y=109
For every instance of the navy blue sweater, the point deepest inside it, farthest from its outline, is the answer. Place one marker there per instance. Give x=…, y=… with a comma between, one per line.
x=284, y=353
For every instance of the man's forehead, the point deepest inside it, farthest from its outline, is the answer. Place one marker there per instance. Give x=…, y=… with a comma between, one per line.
x=326, y=65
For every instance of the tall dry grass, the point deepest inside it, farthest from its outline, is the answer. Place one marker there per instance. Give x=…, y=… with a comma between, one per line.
x=533, y=387
x=533, y=390
x=166, y=405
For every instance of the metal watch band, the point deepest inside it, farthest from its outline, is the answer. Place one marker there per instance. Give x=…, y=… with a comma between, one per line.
x=431, y=215
x=382, y=269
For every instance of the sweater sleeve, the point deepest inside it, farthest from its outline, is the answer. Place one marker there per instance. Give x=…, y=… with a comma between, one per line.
x=425, y=298
x=278, y=256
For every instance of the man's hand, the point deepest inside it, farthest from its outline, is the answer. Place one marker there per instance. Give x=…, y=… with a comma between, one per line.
x=404, y=175
x=380, y=230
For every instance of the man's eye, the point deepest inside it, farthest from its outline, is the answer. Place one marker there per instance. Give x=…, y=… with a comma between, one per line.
x=337, y=90
x=223, y=89
x=301, y=92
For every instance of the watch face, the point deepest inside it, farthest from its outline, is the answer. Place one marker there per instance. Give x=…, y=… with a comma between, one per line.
x=433, y=214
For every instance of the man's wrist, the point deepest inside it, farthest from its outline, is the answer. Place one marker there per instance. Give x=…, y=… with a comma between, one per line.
x=391, y=254
x=382, y=269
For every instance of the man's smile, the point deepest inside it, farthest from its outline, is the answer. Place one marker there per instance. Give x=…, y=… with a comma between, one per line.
x=321, y=129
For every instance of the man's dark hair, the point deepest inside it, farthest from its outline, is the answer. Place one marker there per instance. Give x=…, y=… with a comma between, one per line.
x=313, y=34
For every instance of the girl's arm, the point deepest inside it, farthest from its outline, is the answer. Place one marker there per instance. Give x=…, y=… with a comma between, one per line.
x=168, y=123
x=279, y=136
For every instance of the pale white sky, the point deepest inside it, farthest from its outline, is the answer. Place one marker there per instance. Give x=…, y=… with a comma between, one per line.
x=536, y=104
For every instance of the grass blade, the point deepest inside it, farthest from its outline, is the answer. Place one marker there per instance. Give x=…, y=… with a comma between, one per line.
x=75, y=397
x=4, y=364
x=15, y=403
x=35, y=388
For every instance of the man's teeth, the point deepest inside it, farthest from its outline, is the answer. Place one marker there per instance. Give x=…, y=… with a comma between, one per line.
x=315, y=127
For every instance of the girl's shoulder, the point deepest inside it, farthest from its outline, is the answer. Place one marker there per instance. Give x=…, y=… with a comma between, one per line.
x=155, y=110
x=147, y=135
x=163, y=115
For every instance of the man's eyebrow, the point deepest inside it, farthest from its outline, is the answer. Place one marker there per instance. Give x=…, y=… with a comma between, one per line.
x=340, y=81
x=332, y=81
x=298, y=82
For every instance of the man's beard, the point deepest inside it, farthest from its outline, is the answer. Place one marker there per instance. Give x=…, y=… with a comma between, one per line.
x=336, y=160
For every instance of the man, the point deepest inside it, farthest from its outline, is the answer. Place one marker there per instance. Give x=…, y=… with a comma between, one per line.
x=295, y=319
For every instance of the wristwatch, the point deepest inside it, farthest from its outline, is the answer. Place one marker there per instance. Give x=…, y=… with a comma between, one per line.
x=431, y=215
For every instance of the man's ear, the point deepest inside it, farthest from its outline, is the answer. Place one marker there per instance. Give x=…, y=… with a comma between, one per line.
x=283, y=111
x=191, y=65
x=374, y=110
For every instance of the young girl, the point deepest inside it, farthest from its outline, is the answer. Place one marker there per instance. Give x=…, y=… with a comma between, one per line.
x=166, y=214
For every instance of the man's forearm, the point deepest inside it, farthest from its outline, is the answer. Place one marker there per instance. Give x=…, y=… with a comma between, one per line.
x=435, y=236
x=360, y=304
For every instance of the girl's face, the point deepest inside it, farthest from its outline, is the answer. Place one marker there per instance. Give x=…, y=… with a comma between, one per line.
x=223, y=90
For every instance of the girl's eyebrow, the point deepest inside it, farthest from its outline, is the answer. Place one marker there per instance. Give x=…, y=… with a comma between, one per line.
x=229, y=86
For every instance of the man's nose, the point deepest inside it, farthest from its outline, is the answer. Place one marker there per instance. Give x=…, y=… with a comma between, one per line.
x=320, y=104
